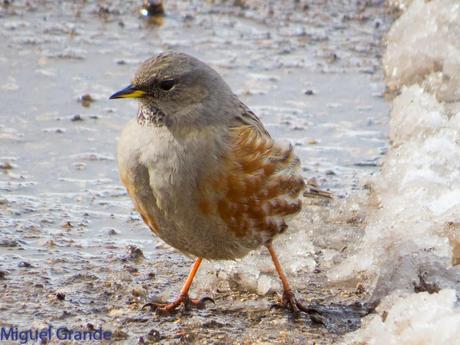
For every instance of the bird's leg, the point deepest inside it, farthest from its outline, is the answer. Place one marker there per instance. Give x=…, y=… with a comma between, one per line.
x=289, y=300
x=183, y=298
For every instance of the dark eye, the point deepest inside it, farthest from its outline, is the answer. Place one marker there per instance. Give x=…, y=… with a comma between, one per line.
x=167, y=85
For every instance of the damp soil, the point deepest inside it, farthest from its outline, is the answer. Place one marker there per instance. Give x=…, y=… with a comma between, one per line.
x=73, y=252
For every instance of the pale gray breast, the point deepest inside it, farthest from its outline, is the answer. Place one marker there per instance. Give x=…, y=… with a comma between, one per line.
x=152, y=166
x=162, y=174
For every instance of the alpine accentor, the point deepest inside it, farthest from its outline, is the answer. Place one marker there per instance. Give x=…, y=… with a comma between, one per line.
x=202, y=170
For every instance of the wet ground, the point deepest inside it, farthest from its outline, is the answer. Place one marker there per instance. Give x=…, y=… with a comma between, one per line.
x=70, y=244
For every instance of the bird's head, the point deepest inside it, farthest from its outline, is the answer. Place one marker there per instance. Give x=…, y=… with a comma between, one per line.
x=179, y=88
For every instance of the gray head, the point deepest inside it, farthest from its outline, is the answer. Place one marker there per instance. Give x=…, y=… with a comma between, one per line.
x=175, y=88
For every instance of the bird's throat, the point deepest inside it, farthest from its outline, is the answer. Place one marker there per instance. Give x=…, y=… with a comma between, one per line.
x=150, y=116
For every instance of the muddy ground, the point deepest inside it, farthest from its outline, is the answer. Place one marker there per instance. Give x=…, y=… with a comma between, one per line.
x=73, y=252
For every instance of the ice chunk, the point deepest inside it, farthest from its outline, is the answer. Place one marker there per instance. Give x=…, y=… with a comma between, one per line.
x=416, y=114
x=412, y=238
x=418, y=188
x=423, y=47
x=415, y=319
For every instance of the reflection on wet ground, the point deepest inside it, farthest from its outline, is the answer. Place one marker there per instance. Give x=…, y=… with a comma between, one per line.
x=310, y=70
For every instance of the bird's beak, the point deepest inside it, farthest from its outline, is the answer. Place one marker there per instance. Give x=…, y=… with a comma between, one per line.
x=128, y=92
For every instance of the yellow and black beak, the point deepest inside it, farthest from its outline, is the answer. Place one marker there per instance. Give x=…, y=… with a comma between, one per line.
x=128, y=92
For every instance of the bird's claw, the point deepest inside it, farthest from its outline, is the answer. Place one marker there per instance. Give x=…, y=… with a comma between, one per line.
x=205, y=299
x=185, y=301
x=290, y=302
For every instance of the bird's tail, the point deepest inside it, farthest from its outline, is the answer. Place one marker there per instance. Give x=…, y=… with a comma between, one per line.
x=312, y=190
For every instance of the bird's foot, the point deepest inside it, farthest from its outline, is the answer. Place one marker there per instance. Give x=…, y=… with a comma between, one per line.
x=290, y=302
x=183, y=300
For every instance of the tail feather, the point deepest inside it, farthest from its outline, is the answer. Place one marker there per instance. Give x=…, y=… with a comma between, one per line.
x=312, y=190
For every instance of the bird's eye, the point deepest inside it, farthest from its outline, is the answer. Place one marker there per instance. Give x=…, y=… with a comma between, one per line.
x=167, y=85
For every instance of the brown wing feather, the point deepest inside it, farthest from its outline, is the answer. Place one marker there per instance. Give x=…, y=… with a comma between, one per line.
x=258, y=186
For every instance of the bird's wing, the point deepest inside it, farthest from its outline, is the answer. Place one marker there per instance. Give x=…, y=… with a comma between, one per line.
x=258, y=186
x=246, y=116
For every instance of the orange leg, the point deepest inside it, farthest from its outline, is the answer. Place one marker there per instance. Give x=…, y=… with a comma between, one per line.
x=183, y=296
x=191, y=276
x=279, y=269
x=289, y=300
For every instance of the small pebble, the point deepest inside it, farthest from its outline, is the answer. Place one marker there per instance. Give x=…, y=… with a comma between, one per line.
x=153, y=336
x=188, y=18
x=134, y=254
x=76, y=117
x=86, y=100
x=152, y=8
x=138, y=291
x=131, y=269
x=9, y=243
x=68, y=225
x=331, y=57
x=79, y=165
x=6, y=166
x=360, y=289
x=54, y=130
x=24, y=264
x=118, y=334
x=112, y=232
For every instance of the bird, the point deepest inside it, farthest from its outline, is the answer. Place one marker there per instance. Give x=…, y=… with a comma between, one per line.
x=202, y=170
